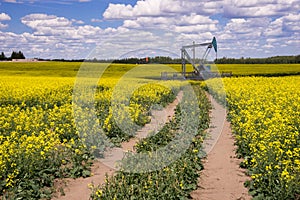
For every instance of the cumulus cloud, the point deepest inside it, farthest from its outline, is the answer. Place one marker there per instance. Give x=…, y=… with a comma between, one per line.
x=284, y=26
x=160, y=8
x=291, y=22
x=77, y=21
x=259, y=8
x=118, y=11
x=194, y=19
x=275, y=28
x=53, y=35
x=242, y=28
x=51, y=25
x=4, y=17
x=195, y=28
x=149, y=23
x=3, y=26
x=40, y=21
x=252, y=26
x=96, y=20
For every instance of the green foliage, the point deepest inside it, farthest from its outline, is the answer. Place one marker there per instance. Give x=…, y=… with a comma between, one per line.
x=17, y=55
x=2, y=56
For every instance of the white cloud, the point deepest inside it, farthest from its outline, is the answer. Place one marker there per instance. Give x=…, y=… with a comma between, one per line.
x=169, y=24
x=275, y=28
x=207, y=36
x=96, y=20
x=291, y=22
x=131, y=24
x=195, y=28
x=268, y=46
x=195, y=19
x=36, y=21
x=4, y=17
x=160, y=8
x=77, y=21
x=159, y=23
x=3, y=26
x=242, y=27
x=259, y=8
x=53, y=34
x=118, y=11
x=284, y=26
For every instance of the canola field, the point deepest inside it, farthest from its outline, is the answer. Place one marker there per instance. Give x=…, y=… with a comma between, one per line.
x=40, y=140
x=260, y=69
x=265, y=118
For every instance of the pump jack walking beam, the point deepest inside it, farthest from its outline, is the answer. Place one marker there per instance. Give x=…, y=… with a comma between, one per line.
x=185, y=56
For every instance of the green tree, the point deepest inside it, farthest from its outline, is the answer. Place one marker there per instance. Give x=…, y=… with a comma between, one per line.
x=17, y=55
x=2, y=56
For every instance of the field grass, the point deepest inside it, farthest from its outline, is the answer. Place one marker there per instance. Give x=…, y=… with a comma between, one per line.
x=49, y=69
x=56, y=69
x=70, y=69
x=260, y=69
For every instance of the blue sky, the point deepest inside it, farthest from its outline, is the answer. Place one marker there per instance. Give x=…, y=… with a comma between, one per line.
x=109, y=29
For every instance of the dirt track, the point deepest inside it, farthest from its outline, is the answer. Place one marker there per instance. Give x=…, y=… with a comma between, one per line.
x=222, y=178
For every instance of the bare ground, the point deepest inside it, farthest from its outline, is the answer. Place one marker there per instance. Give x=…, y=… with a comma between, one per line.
x=222, y=178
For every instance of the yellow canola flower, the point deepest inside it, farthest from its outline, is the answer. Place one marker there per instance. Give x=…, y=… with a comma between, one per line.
x=265, y=117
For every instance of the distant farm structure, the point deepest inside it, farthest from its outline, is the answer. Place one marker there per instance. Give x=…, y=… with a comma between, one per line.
x=25, y=60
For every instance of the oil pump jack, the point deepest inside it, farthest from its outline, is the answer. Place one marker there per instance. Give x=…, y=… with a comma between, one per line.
x=201, y=69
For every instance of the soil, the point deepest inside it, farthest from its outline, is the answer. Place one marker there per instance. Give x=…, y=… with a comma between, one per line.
x=222, y=178
x=77, y=189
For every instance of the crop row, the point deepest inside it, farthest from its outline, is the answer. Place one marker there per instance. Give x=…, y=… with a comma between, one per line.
x=264, y=113
x=39, y=137
x=160, y=179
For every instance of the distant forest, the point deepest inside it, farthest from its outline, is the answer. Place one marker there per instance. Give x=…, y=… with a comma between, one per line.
x=169, y=60
x=270, y=60
x=224, y=60
x=14, y=55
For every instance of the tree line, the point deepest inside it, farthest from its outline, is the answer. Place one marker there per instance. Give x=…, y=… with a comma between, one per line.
x=224, y=60
x=146, y=60
x=14, y=55
x=269, y=60
x=169, y=60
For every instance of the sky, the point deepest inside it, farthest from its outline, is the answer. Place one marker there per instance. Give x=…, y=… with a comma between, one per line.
x=78, y=29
